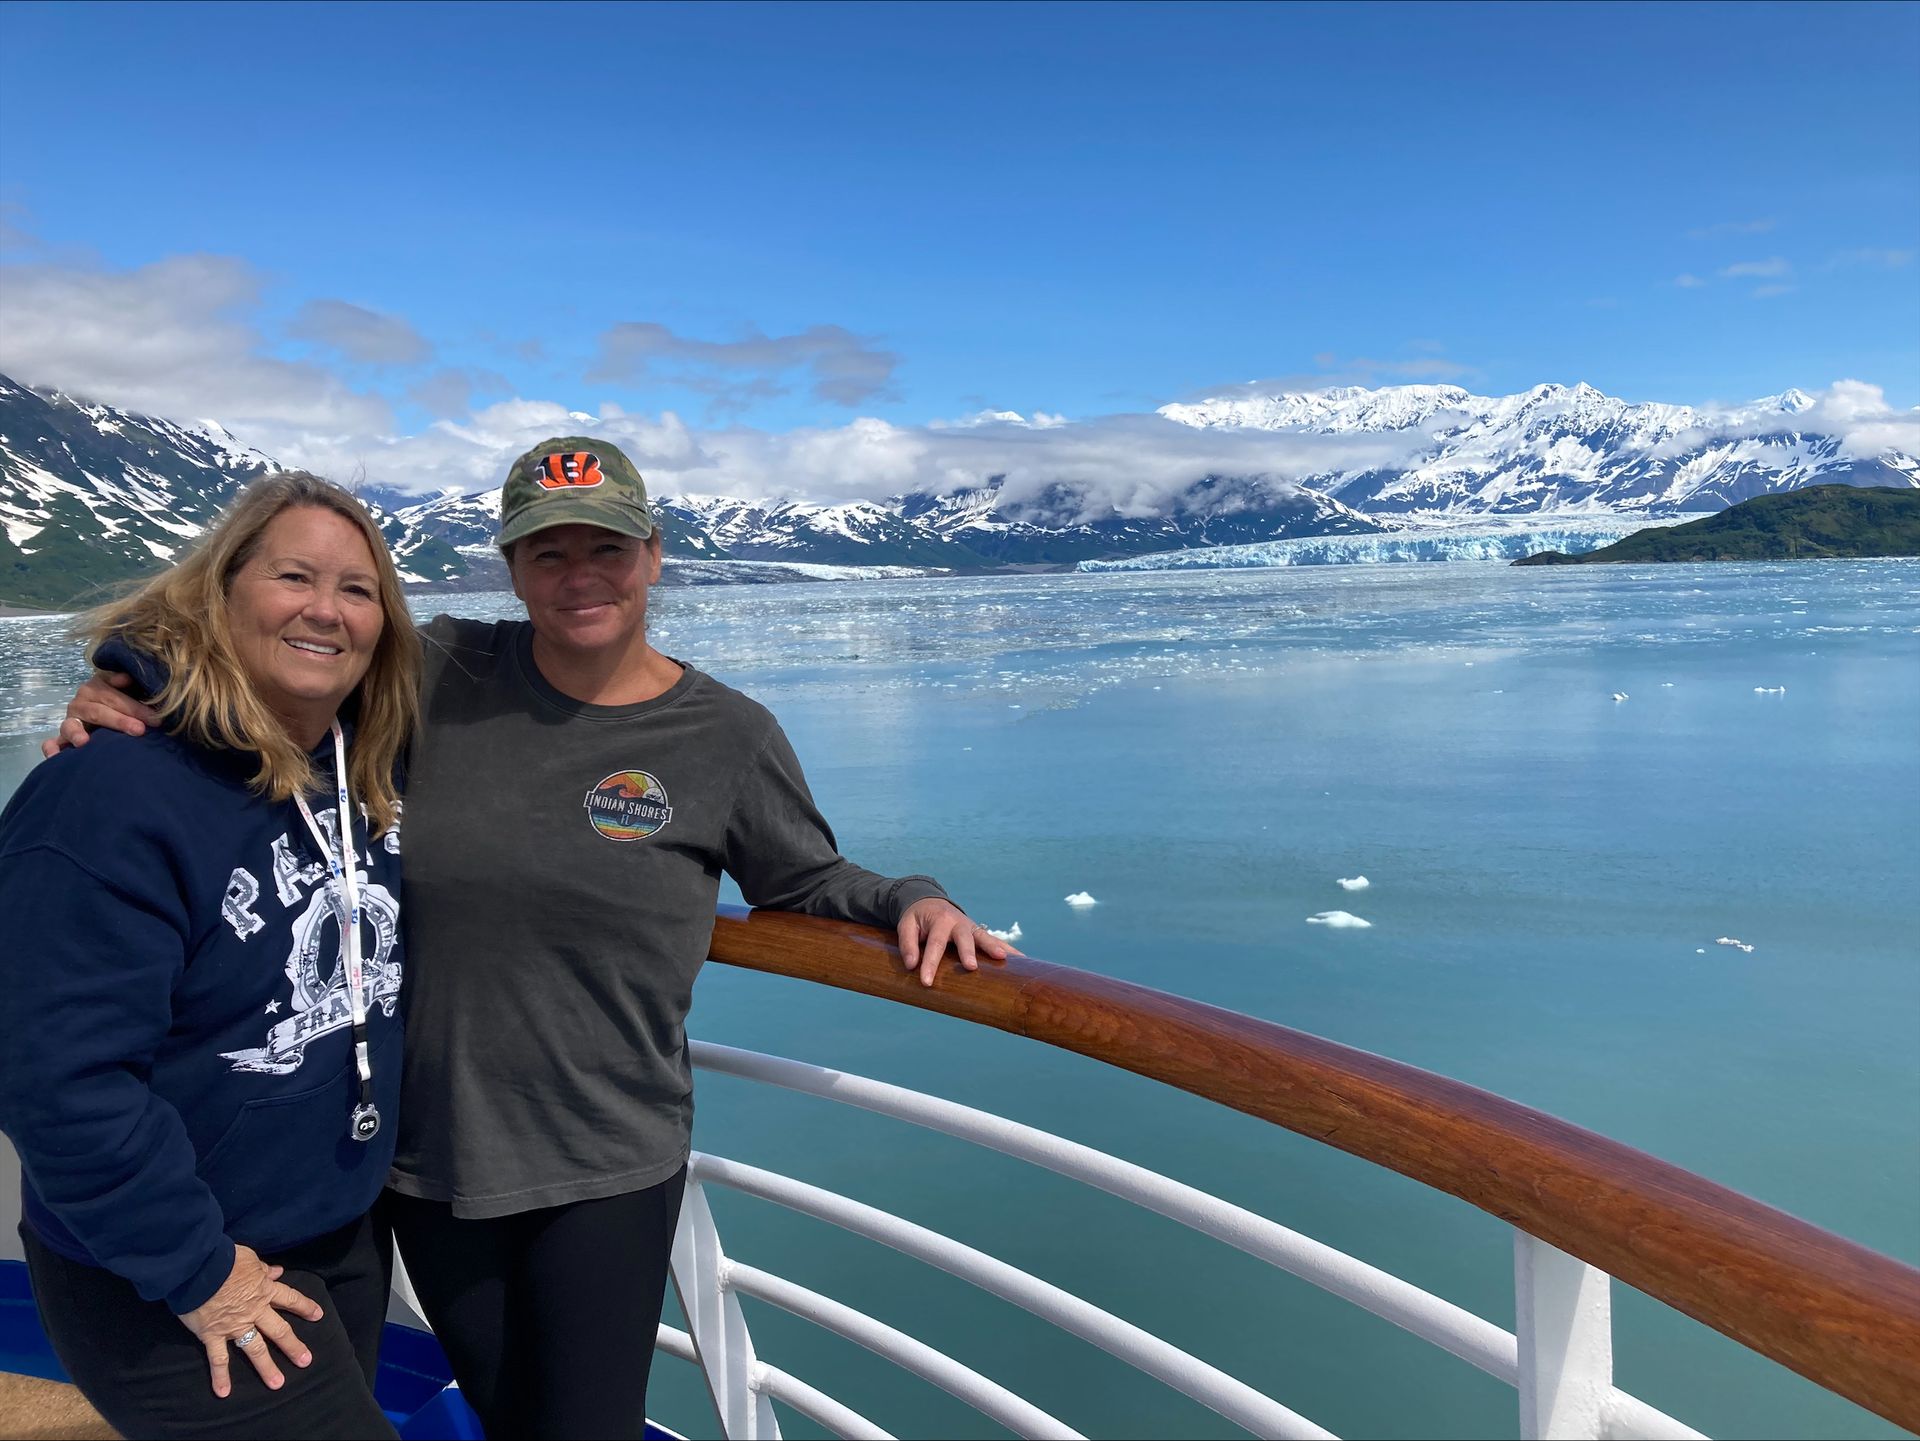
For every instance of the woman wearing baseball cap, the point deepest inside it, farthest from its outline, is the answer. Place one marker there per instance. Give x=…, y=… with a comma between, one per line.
x=573, y=795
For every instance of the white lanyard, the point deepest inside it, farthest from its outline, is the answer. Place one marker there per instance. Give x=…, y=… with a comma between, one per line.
x=341, y=866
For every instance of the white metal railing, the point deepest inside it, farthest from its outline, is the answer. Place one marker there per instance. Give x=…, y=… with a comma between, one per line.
x=1560, y=1362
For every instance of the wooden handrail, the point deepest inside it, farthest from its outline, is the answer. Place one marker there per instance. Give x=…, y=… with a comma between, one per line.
x=1844, y=1316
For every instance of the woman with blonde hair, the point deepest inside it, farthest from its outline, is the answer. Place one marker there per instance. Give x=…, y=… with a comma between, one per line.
x=199, y=986
x=557, y=923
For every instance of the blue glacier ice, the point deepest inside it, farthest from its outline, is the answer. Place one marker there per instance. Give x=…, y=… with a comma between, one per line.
x=1481, y=542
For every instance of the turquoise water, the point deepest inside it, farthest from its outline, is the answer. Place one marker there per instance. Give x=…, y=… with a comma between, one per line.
x=1206, y=754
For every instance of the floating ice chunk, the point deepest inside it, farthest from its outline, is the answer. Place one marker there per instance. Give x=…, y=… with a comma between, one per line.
x=1769, y=690
x=1699, y=950
x=1737, y=945
x=1666, y=685
x=1081, y=898
x=1012, y=933
x=1619, y=695
x=1354, y=883
x=1339, y=920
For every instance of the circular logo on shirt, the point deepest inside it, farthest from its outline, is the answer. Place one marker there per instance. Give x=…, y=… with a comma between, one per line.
x=628, y=806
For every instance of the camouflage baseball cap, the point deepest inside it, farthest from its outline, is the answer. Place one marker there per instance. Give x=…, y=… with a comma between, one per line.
x=573, y=480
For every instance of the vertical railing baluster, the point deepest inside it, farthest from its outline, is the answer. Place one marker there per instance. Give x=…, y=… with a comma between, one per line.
x=1563, y=1320
x=717, y=1325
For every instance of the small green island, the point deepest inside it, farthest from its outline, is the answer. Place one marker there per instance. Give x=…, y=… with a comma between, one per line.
x=1820, y=522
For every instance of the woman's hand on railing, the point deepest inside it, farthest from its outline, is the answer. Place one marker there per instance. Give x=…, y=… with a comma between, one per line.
x=245, y=1312
x=101, y=703
x=931, y=925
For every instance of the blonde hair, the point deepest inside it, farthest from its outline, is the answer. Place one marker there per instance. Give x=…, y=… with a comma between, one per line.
x=180, y=619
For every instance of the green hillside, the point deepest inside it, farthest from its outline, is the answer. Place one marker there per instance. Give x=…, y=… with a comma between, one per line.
x=1820, y=522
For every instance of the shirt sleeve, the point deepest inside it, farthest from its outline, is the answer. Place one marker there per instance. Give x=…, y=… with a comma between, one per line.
x=780, y=850
x=149, y=675
x=87, y=972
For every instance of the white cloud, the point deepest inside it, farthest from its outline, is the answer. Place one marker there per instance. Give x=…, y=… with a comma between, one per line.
x=1768, y=269
x=360, y=334
x=176, y=338
x=1867, y=425
x=1039, y=420
x=473, y=453
x=1688, y=282
x=1851, y=410
x=841, y=367
x=1130, y=464
x=182, y=338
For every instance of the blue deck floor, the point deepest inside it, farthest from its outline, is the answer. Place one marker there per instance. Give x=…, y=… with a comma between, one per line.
x=413, y=1385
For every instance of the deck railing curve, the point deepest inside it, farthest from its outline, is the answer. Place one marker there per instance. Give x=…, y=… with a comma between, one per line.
x=1844, y=1316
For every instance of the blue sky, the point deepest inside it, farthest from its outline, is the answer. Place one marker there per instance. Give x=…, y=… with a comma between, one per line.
x=791, y=217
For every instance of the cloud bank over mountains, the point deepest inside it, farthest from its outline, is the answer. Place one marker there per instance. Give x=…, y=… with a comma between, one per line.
x=192, y=336
x=180, y=337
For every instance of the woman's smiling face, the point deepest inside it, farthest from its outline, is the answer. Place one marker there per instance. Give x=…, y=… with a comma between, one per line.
x=305, y=615
x=585, y=588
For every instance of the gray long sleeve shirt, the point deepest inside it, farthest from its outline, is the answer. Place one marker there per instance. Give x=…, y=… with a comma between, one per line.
x=562, y=865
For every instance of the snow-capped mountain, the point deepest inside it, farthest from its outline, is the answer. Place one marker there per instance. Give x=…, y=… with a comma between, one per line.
x=851, y=533
x=91, y=496
x=468, y=522
x=100, y=495
x=972, y=530
x=1059, y=526
x=1557, y=449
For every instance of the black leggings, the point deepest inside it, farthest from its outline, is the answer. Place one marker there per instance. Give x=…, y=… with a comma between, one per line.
x=147, y=1374
x=548, y=1316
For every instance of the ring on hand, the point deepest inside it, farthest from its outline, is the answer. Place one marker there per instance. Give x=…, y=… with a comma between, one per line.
x=246, y=1338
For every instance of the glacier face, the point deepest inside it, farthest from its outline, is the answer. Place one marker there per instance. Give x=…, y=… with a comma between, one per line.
x=1572, y=535
x=761, y=572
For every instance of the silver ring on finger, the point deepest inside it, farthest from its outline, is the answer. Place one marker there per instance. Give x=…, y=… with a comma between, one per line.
x=246, y=1338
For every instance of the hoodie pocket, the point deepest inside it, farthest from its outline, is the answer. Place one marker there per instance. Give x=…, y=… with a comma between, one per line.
x=286, y=1170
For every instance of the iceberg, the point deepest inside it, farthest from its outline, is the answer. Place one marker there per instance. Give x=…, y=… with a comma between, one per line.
x=1340, y=921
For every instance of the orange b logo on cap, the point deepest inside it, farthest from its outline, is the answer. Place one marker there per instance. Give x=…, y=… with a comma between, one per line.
x=565, y=469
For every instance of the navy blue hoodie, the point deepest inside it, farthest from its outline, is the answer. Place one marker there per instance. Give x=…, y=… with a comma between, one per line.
x=176, y=1064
